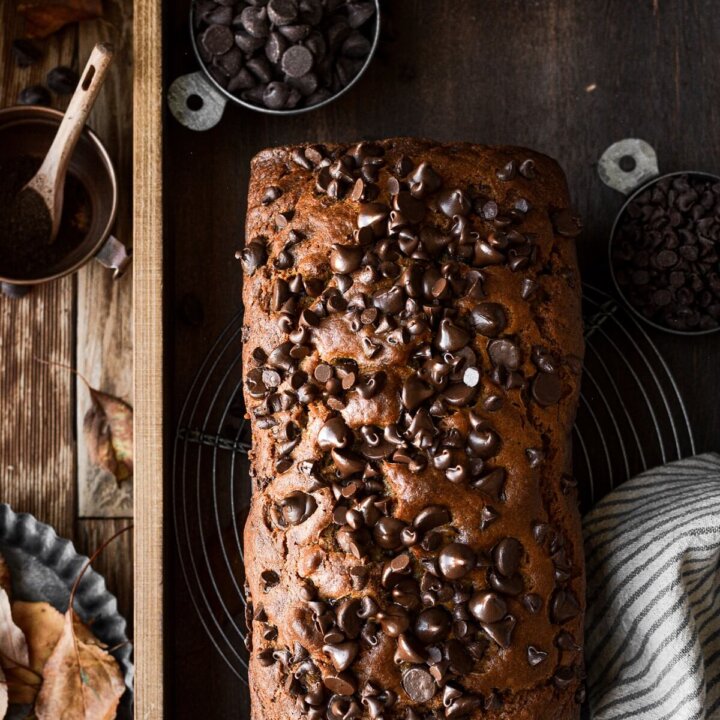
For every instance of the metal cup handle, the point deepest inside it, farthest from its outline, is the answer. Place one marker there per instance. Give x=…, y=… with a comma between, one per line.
x=114, y=256
x=628, y=164
x=195, y=103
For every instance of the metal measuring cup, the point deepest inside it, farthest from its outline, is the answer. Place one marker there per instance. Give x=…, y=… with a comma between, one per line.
x=198, y=101
x=29, y=130
x=630, y=166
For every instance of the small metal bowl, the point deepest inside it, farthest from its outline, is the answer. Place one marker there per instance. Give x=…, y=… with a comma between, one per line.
x=198, y=101
x=29, y=130
x=642, y=174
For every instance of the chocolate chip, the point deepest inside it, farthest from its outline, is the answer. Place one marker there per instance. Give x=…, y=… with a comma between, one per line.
x=501, y=632
x=508, y=171
x=488, y=318
x=504, y=353
x=507, y=555
x=527, y=169
x=342, y=654
x=564, y=606
x=424, y=181
x=296, y=61
x=255, y=21
x=491, y=484
x=297, y=507
x=533, y=602
x=388, y=533
x=488, y=607
x=535, y=456
x=528, y=288
x=334, y=434
x=419, y=685
x=217, y=39
x=547, y=389
x=323, y=373
x=356, y=46
x=471, y=377
x=359, y=13
x=456, y=560
x=344, y=684
x=453, y=202
x=34, y=95
x=451, y=337
x=414, y=392
x=432, y=625
x=253, y=257
x=410, y=650
x=276, y=95
x=345, y=259
x=282, y=12
x=535, y=656
x=483, y=443
x=63, y=80
x=431, y=517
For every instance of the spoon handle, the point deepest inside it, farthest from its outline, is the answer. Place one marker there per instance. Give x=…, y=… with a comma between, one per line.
x=56, y=161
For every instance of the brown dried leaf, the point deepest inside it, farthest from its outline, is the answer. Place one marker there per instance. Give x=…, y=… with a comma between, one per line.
x=42, y=625
x=4, y=699
x=44, y=17
x=13, y=646
x=80, y=680
x=108, y=428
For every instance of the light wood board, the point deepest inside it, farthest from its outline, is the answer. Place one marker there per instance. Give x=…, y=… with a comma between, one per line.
x=148, y=324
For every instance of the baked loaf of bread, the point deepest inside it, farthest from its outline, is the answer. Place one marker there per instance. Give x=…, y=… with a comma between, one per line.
x=412, y=357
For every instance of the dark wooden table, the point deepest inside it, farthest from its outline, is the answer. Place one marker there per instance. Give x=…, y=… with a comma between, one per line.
x=567, y=78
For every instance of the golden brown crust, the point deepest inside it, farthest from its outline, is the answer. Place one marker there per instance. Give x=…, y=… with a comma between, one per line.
x=304, y=557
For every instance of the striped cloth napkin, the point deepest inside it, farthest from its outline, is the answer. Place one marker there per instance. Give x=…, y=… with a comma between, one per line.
x=652, y=549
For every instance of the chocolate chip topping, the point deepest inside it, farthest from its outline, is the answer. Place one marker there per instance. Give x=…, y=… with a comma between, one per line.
x=488, y=319
x=547, y=388
x=419, y=685
x=432, y=625
x=488, y=607
x=507, y=555
x=456, y=560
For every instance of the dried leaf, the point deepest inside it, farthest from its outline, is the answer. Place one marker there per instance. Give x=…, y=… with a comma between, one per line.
x=42, y=625
x=4, y=699
x=13, y=646
x=44, y=17
x=108, y=428
x=80, y=680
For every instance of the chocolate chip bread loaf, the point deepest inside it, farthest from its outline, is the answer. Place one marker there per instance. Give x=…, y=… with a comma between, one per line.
x=412, y=358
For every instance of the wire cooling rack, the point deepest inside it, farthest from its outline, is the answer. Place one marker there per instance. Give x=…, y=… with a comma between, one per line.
x=631, y=417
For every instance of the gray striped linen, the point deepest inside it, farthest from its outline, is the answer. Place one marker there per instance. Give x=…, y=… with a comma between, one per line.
x=652, y=549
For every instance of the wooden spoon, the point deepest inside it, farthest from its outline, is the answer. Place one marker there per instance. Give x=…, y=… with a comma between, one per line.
x=49, y=181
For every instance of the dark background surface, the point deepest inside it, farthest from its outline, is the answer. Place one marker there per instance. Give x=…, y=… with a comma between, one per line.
x=566, y=78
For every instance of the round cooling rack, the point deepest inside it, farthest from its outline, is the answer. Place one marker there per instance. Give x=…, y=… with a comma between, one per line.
x=631, y=417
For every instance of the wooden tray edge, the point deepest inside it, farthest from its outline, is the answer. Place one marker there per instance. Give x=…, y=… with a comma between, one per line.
x=148, y=359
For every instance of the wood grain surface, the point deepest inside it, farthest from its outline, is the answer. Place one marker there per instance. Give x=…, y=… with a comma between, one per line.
x=81, y=321
x=104, y=342
x=149, y=366
x=567, y=78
